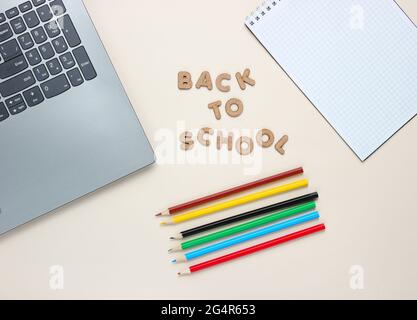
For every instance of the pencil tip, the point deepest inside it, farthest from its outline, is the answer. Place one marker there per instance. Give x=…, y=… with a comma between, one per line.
x=174, y=261
x=182, y=273
x=166, y=222
x=175, y=249
x=163, y=213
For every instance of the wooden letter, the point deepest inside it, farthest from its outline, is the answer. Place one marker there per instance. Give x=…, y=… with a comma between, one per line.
x=244, y=79
x=204, y=81
x=219, y=82
x=184, y=80
x=249, y=145
x=280, y=145
x=260, y=138
x=202, y=133
x=229, y=109
x=223, y=140
x=186, y=139
x=215, y=107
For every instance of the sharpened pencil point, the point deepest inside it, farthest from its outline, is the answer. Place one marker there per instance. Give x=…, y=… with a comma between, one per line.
x=180, y=259
x=158, y=214
x=174, y=261
x=164, y=213
x=185, y=272
x=177, y=237
x=175, y=249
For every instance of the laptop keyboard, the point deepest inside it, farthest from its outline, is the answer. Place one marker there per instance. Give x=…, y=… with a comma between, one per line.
x=41, y=55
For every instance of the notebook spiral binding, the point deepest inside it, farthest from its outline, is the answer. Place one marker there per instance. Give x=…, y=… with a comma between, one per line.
x=261, y=11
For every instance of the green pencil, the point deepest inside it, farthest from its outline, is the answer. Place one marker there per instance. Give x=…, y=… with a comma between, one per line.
x=245, y=226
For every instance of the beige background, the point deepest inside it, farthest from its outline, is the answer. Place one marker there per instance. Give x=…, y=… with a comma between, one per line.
x=111, y=246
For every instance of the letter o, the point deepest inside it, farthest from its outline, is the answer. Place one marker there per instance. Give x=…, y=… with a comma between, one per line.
x=234, y=102
x=244, y=151
x=265, y=133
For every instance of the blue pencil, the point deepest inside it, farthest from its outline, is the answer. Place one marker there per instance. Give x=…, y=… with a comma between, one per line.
x=246, y=237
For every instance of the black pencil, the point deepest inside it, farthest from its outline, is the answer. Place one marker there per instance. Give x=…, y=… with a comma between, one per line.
x=247, y=215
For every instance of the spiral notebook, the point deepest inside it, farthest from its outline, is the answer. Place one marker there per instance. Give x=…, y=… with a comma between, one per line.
x=356, y=61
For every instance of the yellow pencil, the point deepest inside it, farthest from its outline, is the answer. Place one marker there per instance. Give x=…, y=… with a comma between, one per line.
x=237, y=201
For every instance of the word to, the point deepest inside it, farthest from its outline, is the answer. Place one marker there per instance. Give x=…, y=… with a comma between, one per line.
x=234, y=108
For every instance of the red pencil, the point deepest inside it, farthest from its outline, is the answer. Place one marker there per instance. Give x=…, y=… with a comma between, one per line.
x=228, y=192
x=253, y=249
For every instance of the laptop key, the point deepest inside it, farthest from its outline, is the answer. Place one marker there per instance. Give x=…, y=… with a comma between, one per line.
x=5, y=32
x=4, y=114
x=17, y=109
x=26, y=41
x=41, y=73
x=37, y=3
x=14, y=101
x=69, y=31
x=31, y=19
x=12, y=67
x=16, y=104
x=60, y=45
x=26, y=6
x=44, y=13
x=52, y=29
x=33, y=57
x=85, y=64
x=2, y=17
x=11, y=13
x=17, y=84
x=54, y=66
x=67, y=60
x=46, y=51
x=75, y=77
x=33, y=96
x=18, y=25
x=10, y=50
x=55, y=86
x=39, y=35
x=58, y=7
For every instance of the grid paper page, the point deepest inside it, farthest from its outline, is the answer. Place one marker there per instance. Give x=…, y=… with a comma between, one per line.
x=356, y=61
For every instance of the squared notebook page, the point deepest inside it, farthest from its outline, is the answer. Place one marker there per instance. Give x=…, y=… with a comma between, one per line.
x=356, y=61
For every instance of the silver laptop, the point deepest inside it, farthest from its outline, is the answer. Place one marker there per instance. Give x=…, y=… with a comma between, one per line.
x=67, y=127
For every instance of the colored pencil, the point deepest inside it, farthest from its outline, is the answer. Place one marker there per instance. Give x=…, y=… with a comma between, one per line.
x=246, y=237
x=253, y=249
x=237, y=201
x=244, y=226
x=246, y=215
x=228, y=192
